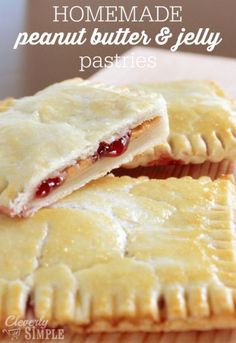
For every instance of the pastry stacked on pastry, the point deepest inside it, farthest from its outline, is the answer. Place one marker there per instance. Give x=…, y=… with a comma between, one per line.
x=202, y=123
x=69, y=134
x=97, y=253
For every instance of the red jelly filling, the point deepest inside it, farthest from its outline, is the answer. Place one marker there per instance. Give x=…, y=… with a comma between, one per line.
x=48, y=185
x=115, y=148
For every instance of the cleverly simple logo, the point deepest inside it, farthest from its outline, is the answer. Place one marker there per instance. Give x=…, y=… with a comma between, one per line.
x=31, y=329
x=13, y=333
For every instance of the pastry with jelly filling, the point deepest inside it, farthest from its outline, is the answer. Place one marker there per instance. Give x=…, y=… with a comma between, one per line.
x=124, y=255
x=68, y=134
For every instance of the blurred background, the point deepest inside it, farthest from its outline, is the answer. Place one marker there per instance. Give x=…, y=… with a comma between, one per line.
x=28, y=69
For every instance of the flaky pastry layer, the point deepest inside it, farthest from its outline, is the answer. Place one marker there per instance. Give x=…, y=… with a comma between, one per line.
x=126, y=254
x=202, y=124
x=43, y=134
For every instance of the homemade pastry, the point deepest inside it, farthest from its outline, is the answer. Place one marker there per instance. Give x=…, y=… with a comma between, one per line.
x=68, y=134
x=213, y=170
x=202, y=124
x=213, y=336
x=125, y=254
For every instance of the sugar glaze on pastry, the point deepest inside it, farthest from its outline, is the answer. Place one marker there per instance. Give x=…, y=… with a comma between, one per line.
x=125, y=254
x=202, y=122
x=68, y=134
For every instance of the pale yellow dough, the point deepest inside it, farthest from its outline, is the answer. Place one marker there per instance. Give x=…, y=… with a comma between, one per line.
x=202, y=124
x=125, y=254
x=43, y=134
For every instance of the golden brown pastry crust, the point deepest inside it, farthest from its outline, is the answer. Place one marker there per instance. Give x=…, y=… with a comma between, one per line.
x=202, y=124
x=43, y=134
x=124, y=255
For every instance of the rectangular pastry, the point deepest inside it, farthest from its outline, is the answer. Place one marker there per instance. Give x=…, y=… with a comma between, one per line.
x=68, y=134
x=202, y=124
x=125, y=254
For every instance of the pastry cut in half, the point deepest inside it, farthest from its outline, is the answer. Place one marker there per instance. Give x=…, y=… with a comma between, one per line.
x=68, y=134
x=123, y=255
x=202, y=123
